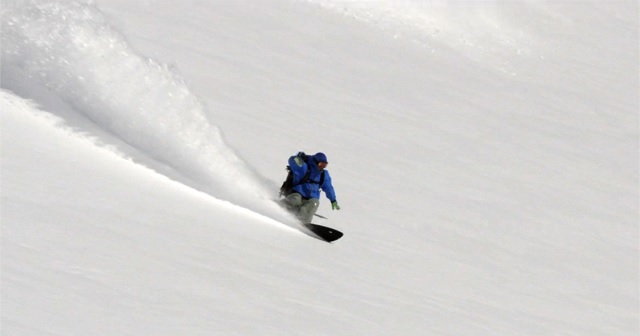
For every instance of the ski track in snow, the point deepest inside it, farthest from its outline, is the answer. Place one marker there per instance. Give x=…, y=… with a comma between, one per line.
x=69, y=49
x=16, y=108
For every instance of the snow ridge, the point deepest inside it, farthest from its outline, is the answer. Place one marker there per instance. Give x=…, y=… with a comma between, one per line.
x=70, y=49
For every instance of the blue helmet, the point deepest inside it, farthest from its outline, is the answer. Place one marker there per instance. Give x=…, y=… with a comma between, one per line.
x=320, y=157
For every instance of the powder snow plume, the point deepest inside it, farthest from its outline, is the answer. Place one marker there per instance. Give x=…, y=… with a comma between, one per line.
x=70, y=49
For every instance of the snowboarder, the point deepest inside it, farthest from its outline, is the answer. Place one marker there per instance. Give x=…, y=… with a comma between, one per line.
x=302, y=188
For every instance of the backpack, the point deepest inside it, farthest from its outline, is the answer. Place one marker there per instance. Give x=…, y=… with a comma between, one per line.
x=287, y=185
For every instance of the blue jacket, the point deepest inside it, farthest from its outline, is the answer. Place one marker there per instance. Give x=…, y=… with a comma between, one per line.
x=311, y=188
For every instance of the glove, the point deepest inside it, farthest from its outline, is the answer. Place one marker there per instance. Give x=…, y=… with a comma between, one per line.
x=335, y=206
x=302, y=155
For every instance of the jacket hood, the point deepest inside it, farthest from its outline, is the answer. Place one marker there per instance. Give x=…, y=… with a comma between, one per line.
x=320, y=157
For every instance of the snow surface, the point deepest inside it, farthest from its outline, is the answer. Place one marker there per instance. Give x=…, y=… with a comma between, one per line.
x=485, y=155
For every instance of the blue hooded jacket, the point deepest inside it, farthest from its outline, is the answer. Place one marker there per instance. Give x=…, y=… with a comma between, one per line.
x=311, y=188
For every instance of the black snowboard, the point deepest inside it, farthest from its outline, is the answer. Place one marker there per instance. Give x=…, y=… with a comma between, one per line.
x=325, y=233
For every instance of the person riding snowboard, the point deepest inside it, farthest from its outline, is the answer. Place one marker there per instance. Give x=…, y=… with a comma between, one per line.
x=302, y=188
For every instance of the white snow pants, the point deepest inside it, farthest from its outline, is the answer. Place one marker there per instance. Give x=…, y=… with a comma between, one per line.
x=304, y=209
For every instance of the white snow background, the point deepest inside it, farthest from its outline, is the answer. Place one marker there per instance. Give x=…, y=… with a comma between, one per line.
x=485, y=155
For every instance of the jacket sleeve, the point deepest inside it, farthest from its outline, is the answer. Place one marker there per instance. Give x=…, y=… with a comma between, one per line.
x=327, y=187
x=298, y=168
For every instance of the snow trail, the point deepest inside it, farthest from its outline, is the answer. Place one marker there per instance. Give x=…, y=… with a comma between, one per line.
x=70, y=49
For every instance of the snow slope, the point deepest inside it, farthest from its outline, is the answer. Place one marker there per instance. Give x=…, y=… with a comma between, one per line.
x=485, y=156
